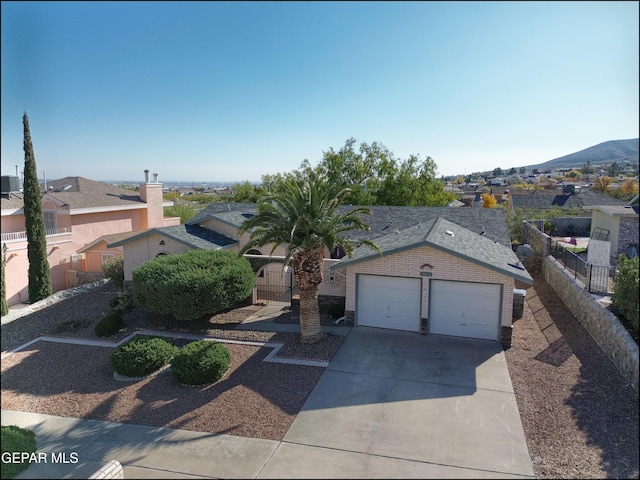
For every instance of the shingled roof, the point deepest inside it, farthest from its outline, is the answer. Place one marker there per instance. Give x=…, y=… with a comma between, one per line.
x=193, y=236
x=383, y=219
x=542, y=200
x=450, y=238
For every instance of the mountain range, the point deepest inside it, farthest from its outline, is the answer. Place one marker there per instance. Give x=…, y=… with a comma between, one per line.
x=620, y=151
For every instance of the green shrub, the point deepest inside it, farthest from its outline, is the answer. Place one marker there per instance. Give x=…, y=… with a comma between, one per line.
x=201, y=362
x=625, y=290
x=121, y=301
x=110, y=324
x=192, y=284
x=113, y=269
x=142, y=356
x=16, y=439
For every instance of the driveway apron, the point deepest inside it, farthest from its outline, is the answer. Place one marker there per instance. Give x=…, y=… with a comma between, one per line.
x=403, y=405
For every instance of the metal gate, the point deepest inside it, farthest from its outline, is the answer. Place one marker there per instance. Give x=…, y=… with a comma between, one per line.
x=274, y=287
x=598, y=279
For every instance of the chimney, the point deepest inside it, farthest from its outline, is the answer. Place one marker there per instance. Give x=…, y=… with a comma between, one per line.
x=146, y=176
x=155, y=178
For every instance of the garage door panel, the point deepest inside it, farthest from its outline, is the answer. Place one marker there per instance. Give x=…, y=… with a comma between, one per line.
x=389, y=302
x=465, y=309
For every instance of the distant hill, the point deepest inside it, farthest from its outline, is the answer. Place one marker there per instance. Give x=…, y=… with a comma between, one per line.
x=606, y=152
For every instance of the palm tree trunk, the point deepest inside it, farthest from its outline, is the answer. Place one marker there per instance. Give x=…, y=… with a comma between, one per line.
x=310, y=329
x=307, y=268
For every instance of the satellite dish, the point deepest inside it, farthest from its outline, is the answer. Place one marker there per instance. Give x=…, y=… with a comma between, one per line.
x=525, y=251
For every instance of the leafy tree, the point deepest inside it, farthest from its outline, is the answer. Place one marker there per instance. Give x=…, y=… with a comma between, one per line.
x=361, y=171
x=523, y=170
x=246, y=192
x=601, y=184
x=512, y=171
x=39, y=273
x=629, y=187
x=613, y=170
x=573, y=174
x=183, y=209
x=173, y=195
x=413, y=183
x=497, y=172
x=5, y=306
x=489, y=201
x=587, y=168
x=302, y=214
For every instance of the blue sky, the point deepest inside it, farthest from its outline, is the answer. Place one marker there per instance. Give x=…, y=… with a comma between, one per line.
x=229, y=91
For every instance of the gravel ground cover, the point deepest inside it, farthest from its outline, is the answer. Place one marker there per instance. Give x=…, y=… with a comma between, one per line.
x=580, y=418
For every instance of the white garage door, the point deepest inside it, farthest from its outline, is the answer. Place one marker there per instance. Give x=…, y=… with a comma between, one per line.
x=389, y=302
x=464, y=309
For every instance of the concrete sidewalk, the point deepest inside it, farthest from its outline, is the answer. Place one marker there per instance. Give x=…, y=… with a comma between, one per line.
x=389, y=405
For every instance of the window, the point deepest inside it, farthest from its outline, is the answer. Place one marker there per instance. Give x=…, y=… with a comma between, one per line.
x=50, y=221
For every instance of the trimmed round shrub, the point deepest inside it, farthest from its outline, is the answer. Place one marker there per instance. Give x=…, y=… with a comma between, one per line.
x=200, y=362
x=142, y=356
x=192, y=284
x=110, y=324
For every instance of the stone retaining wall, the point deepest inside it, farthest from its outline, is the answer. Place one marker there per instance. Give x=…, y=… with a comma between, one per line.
x=603, y=326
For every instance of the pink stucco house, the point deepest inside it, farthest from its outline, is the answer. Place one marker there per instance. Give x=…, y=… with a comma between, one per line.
x=81, y=217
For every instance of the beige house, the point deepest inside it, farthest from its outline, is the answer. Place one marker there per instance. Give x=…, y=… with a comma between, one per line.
x=447, y=271
x=616, y=224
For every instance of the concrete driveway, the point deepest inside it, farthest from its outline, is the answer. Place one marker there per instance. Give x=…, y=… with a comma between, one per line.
x=399, y=405
x=389, y=405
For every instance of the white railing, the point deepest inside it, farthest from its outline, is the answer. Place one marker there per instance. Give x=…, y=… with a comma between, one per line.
x=17, y=236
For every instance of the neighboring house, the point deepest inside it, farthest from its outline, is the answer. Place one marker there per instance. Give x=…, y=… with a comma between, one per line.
x=564, y=200
x=616, y=224
x=78, y=213
x=444, y=270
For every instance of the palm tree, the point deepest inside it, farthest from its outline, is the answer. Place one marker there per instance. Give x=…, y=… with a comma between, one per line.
x=302, y=214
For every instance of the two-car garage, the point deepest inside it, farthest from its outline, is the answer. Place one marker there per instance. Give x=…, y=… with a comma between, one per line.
x=456, y=308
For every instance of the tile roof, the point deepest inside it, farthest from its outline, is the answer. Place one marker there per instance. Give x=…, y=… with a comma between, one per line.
x=12, y=202
x=193, y=236
x=79, y=192
x=435, y=233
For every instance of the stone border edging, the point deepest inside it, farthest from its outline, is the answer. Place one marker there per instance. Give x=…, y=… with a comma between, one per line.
x=271, y=357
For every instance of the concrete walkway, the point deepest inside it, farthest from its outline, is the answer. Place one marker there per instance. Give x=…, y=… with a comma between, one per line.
x=389, y=405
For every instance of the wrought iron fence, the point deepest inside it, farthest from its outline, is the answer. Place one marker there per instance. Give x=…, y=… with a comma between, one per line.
x=595, y=278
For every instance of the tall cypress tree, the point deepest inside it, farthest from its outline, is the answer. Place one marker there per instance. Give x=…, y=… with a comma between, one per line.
x=5, y=306
x=39, y=273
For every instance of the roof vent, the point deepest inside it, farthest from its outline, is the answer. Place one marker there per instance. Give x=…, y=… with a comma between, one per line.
x=450, y=233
